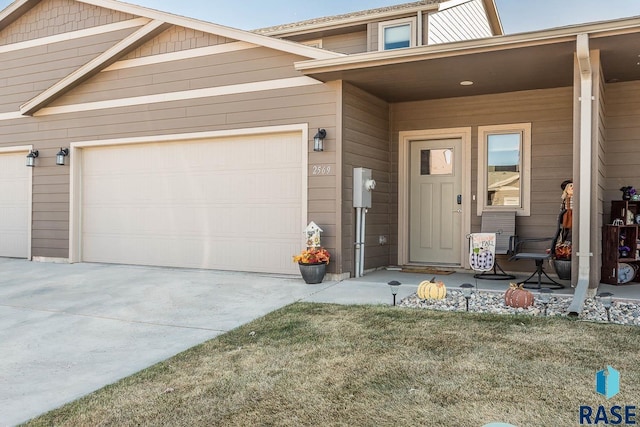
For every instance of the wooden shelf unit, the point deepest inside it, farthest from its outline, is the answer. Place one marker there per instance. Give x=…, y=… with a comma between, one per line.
x=626, y=210
x=611, y=239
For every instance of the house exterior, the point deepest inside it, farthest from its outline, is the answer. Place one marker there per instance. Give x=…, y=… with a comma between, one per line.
x=190, y=144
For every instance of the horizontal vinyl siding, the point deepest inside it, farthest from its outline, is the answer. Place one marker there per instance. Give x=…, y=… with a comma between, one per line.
x=346, y=43
x=26, y=73
x=366, y=144
x=622, y=135
x=245, y=66
x=551, y=115
x=314, y=105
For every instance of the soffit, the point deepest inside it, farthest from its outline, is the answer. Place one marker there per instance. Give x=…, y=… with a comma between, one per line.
x=503, y=64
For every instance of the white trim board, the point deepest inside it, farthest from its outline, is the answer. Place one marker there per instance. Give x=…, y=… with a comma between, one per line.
x=182, y=95
x=102, y=29
x=178, y=56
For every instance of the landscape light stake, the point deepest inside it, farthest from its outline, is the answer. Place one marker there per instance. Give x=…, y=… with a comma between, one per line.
x=607, y=300
x=394, y=285
x=466, y=292
x=545, y=298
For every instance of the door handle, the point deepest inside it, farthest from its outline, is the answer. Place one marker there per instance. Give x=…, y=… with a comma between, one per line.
x=457, y=211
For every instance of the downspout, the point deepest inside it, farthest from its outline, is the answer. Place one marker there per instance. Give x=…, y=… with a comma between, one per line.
x=584, y=232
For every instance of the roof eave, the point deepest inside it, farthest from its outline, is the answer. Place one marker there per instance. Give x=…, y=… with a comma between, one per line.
x=346, y=22
x=557, y=35
x=208, y=27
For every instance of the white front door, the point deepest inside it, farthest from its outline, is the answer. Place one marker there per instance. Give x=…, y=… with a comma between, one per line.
x=435, y=201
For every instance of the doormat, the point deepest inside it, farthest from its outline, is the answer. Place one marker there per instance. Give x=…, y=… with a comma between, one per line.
x=425, y=270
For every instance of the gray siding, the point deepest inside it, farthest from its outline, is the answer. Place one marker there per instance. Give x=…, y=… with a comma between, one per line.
x=366, y=144
x=551, y=113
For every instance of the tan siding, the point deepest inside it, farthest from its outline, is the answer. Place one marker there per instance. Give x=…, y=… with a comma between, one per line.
x=177, y=39
x=346, y=43
x=51, y=17
x=314, y=105
x=25, y=73
x=244, y=66
x=622, y=148
x=366, y=144
x=550, y=112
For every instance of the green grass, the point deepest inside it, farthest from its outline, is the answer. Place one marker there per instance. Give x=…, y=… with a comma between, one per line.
x=330, y=365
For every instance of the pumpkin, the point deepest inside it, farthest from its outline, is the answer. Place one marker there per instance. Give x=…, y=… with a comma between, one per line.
x=518, y=297
x=430, y=289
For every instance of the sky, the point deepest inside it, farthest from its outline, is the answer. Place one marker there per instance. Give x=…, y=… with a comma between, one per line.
x=517, y=15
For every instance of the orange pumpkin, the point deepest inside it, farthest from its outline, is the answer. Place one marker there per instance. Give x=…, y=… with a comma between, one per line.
x=518, y=297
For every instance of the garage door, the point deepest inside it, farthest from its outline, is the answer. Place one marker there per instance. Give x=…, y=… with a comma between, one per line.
x=232, y=204
x=14, y=205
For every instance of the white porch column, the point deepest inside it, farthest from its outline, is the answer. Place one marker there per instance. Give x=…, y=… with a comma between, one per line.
x=584, y=186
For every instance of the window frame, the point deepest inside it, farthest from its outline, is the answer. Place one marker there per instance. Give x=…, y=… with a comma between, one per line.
x=524, y=209
x=412, y=21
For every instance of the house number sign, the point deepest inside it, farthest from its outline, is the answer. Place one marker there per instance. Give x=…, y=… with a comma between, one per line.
x=322, y=170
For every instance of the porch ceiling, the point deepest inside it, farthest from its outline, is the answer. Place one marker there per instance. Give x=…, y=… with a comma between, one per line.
x=535, y=65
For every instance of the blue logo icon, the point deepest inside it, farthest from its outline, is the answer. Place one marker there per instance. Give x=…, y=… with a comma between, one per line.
x=608, y=382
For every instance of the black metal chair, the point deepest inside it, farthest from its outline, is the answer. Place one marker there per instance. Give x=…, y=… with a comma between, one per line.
x=518, y=247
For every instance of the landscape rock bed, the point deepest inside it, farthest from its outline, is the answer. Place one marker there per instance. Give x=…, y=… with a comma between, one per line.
x=622, y=312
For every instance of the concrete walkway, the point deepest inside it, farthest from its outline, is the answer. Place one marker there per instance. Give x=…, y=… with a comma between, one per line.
x=69, y=329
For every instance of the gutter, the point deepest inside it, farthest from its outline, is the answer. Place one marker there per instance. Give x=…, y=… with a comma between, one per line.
x=584, y=226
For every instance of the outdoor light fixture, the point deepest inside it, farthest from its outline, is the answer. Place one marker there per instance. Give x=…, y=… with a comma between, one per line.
x=318, y=140
x=466, y=292
x=394, y=285
x=31, y=158
x=545, y=298
x=64, y=152
x=607, y=300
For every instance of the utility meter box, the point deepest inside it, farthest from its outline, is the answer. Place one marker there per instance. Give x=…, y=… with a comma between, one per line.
x=362, y=187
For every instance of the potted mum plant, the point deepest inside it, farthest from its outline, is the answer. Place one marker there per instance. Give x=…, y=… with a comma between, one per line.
x=313, y=264
x=562, y=260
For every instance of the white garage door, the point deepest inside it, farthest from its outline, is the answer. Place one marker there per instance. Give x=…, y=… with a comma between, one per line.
x=232, y=204
x=14, y=205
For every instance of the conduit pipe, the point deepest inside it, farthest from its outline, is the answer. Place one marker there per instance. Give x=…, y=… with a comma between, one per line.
x=358, y=241
x=584, y=228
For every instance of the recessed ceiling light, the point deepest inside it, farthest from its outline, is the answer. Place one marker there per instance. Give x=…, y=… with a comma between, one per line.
x=466, y=83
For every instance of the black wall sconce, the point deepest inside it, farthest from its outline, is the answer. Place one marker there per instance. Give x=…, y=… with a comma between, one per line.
x=64, y=152
x=318, y=140
x=31, y=158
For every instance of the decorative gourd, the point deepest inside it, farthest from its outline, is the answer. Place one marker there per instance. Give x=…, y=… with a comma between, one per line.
x=518, y=297
x=430, y=289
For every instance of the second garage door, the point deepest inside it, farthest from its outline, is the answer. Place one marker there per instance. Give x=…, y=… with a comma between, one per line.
x=15, y=205
x=232, y=204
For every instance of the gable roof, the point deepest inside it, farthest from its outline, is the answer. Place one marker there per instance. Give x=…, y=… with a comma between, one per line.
x=19, y=7
x=158, y=22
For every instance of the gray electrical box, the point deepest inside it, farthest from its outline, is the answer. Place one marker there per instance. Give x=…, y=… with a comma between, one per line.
x=362, y=187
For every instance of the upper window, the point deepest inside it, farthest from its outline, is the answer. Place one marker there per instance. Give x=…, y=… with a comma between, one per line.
x=397, y=34
x=504, y=162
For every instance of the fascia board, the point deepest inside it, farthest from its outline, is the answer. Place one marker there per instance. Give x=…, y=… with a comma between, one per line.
x=207, y=27
x=14, y=11
x=559, y=35
x=347, y=22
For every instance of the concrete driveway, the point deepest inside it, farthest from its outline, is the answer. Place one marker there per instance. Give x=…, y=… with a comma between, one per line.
x=69, y=329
